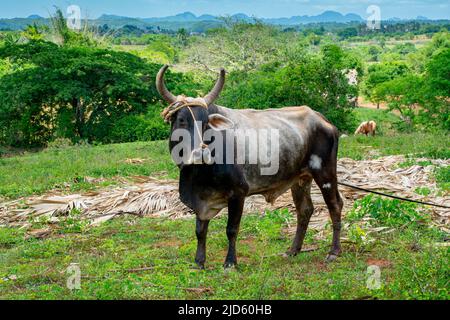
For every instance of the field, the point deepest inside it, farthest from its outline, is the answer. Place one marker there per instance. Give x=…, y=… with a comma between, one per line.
x=66, y=169
x=153, y=259
x=145, y=258
x=89, y=192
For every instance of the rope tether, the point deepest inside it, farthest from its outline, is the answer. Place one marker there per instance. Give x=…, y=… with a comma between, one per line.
x=391, y=196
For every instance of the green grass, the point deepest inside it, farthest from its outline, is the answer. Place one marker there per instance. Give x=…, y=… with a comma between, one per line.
x=65, y=169
x=443, y=177
x=414, y=264
x=385, y=119
x=412, y=267
x=417, y=144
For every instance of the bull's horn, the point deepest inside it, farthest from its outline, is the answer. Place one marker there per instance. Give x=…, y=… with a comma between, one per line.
x=161, y=87
x=215, y=92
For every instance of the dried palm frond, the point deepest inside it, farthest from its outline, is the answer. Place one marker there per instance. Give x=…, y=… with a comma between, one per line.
x=159, y=198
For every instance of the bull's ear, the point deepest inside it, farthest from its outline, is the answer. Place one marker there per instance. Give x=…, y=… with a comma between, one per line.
x=219, y=122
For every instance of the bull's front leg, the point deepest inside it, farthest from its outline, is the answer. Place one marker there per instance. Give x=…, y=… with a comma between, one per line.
x=201, y=230
x=235, y=207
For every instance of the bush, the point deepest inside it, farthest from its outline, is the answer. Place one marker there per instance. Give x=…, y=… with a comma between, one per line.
x=146, y=127
x=386, y=212
x=317, y=81
x=59, y=143
x=75, y=92
x=443, y=177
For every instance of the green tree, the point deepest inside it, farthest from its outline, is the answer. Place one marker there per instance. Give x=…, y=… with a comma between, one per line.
x=418, y=60
x=33, y=32
x=239, y=46
x=316, y=80
x=404, y=94
x=73, y=92
x=381, y=73
x=182, y=37
x=436, y=110
x=421, y=99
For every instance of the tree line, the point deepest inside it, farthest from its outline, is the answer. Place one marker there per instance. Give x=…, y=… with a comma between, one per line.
x=58, y=83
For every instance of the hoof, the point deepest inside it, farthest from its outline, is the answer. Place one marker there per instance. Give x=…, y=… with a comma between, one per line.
x=229, y=265
x=289, y=253
x=331, y=257
x=199, y=266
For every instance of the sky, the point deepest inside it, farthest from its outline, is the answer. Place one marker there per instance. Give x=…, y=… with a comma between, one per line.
x=433, y=9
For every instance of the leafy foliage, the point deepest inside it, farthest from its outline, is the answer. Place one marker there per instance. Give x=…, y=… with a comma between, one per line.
x=417, y=86
x=318, y=81
x=386, y=212
x=73, y=92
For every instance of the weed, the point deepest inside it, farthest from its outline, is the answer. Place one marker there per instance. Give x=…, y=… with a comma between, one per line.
x=387, y=212
x=442, y=175
x=423, y=191
x=107, y=253
x=73, y=222
x=271, y=223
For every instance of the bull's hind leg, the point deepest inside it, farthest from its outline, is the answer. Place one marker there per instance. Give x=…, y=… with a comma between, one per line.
x=327, y=181
x=301, y=194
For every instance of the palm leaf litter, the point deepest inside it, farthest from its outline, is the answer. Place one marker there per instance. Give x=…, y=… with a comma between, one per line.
x=151, y=197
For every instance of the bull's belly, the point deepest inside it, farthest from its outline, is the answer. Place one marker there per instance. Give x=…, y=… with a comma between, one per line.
x=212, y=207
x=271, y=187
x=271, y=193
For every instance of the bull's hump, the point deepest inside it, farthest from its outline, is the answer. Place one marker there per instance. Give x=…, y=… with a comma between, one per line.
x=298, y=110
x=283, y=118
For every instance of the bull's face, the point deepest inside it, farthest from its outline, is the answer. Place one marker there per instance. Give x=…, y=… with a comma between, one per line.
x=190, y=119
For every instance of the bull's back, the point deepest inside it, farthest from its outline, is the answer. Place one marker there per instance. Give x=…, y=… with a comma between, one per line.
x=296, y=128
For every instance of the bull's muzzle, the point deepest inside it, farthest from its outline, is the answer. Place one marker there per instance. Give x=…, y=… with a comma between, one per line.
x=200, y=156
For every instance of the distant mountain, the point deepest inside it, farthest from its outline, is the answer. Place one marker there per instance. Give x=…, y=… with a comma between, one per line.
x=418, y=18
x=242, y=17
x=191, y=22
x=35, y=16
x=353, y=17
x=327, y=16
x=182, y=17
x=115, y=21
x=207, y=17
x=111, y=17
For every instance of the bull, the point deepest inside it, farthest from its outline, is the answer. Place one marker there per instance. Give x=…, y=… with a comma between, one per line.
x=307, y=150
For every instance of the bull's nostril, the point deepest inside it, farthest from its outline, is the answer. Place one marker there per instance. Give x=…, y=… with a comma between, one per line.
x=197, y=156
x=207, y=156
x=200, y=156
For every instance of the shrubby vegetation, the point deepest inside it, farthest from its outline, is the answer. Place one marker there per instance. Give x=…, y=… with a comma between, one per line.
x=317, y=80
x=92, y=86
x=419, y=88
x=78, y=91
x=73, y=92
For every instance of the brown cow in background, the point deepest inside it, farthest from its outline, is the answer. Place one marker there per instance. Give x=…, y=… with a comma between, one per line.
x=367, y=128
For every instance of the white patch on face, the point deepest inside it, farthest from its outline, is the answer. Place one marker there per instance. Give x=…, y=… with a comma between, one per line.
x=315, y=162
x=327, y=186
